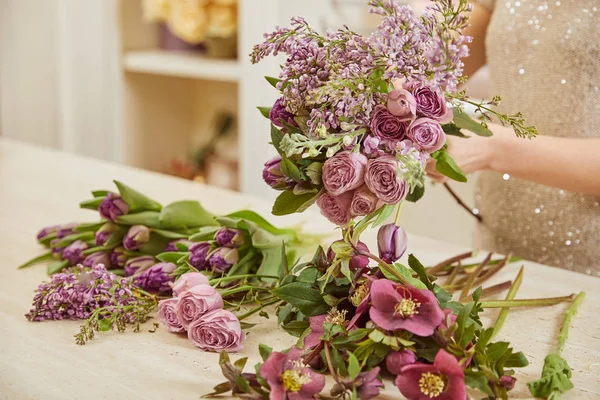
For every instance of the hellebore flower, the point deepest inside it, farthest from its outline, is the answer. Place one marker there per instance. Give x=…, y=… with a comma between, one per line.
x=157, y=278
x=317, y=328
x=366, y=384
x=289, y=377
x=444, y=380
x=140, y=263
x=397, y=307
x=72, y=252
x=136, y=237
x=229, y=237
x=396, y=360
x=112, y=207
x=222, y=259
x=392, y=242
x=199, y=255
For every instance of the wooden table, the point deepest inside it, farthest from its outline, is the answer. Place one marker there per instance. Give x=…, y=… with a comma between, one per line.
x=41, y=187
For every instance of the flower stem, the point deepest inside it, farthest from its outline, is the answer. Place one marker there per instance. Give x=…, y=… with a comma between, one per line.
x=257, y=309
x=569, y=314
x=510, y=296
x=238, y=277
x=383, y=265
x=441, y=266
x=474, y=275
x=461, y=202
x=329, y=362
x=398, y=213
x=243, y=289
x=548, y=301
x=500, y=287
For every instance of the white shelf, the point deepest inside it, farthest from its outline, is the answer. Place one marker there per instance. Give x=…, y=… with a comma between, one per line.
x=181, y=64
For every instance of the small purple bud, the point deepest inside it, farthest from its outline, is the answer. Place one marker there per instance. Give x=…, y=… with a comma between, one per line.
x=138, y=264
x=112, y=207
x=56, y=251
x=229, y=237
x=356, y=262
x=99, y=257
x=222, y=259
x=278, y=113
x=104, y=233
x=508, y=382
x=273, y=176
x=392, y=242
x=136, y=237
x=172, y=245
x=72, y=252
x=65, y=230
x=156, y=278
x=47, y=230
x=199, y=255
x=118, y=258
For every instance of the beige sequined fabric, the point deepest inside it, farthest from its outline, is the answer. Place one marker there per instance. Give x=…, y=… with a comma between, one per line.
x=544, y=60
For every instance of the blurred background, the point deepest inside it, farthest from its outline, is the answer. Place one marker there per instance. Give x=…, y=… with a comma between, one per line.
x=166, y=85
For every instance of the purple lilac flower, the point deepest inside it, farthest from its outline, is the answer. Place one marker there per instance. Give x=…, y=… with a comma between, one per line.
x=72, y=252
x=199, y=255
x=156, y=278
x=112, y=207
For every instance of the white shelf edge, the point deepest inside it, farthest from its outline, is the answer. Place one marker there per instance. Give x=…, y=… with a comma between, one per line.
x=181, y=64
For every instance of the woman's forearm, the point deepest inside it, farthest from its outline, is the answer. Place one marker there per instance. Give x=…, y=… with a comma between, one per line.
x=566, y=163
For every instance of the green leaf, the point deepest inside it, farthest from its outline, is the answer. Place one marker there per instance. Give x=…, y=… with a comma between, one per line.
x=264, y=111
x=204, y=233
x=171, y=256
x=105, y=324
x=146, y=218
x=352, y=336
x=116, y=238
x=240, y=363
x=295, y=328
x=169, y=234
x=242, y=384
x=185, y=214
x=265, y=351
x=313, y=171
x=446, y=165
x=273, y=81
x=276, y=137
x=516, y=360
x=89, y=226
x=496, y=350
x=91, y=204
x=308, y=275
x=39, y=259
x=289, y=169
x=56, y=266
x=416, y=266
x=555, y=379
x=339, y=364
x=416, y=194
x=99, y=193
x=272, y=262
x=453, y=130
x=386, y=212
x=136, y=200
x=477, y=380
x=288, y=203
x=406, y=273
x=245, y=264
x=302, y=296
x=262, y=223
x=353, y=366
x=283, y=313
x=464, y=121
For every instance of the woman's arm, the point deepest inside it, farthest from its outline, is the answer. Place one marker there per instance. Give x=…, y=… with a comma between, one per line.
x=566, y=163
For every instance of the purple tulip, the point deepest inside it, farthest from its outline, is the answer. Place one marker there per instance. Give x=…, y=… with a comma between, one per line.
x=97, y=258
x=47, y=230
x=138, y=264
x=229, y=237
x=278, y=113
x=112, y=207
x=56, y=250
x=156, y=278
x=199, y=255
x=136, y=237
x=104, y=233
x=222, y=259
x=273, y=176
x=172, y=245
x=118, y=258
x=65, y=230
x=72, y=252
x=392, y=242
x=356, y=262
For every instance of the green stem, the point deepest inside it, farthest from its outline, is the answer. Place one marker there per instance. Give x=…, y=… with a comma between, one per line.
x=510, y=296
x=569, y=314
x=238, y=277
x=549, y=301
x=398, y=213
x=384, y=265
x=243, y=289
x=257, y=309
x=329, y=362
x=467, y=288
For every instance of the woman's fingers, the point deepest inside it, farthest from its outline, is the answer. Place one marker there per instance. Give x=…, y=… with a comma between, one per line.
x=433, y=173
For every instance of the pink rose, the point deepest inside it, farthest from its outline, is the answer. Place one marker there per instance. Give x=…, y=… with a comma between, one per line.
x=336, y=208
x=216, y=331
x=387, y=126
x=364, y=202
x=427, y=134
x=343, y=172
x=402, y=104
x=188, y=281
x=385, y=180
x=432, y=104
x=196, y=302
x=168, y=316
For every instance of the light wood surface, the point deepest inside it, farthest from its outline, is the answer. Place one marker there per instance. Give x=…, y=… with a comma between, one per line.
x=41, y=187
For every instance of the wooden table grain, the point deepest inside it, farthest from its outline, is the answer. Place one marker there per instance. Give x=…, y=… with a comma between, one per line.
x=41, y=187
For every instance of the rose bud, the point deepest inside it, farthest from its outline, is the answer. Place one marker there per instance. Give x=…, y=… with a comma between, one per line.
x=508, y=382
x=136, y=237
x=196, y=302
x=273, y=176
x=278, y=113
x=217, y=331
x=402, y=104
x=199, y=255
x=229, y=237
x=343, y=172
x=157, y=278
x=104, y=233
x=357, y=261
x=112, y=207
x=47, y=231
x=336, y=208
x=385, y=181
x=386, y=126
x=97, y=258
x=427, y=134
x=392, y=242
x=72, y=252
x=432, y=104
x=138, y=264
x=172, y=245
x=168, y=316
x=188, y=281
x=118, y=258
x=222, y=259
x=364, y=202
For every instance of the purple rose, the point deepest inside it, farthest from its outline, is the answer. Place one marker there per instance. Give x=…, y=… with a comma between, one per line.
x=104, y=233
x=72, y=252
x=196, y=302
x=336, y=208
x=222, y=259
x=97, y=258
x=218, y=330
x=136, y=237
x=168, y=316
x=199, y=255
x=432, y=104
x=112, y=207
x=387, y=126
x=138, y=264
x=229, y=237
x=364, y=202
x=188, y=281
x=402, y=104
x=278, y=113
x=273, y=176
x=343, y=172
x=427, y=134
x=384, y=179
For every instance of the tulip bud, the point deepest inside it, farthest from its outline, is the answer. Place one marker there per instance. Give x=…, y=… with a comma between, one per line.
x=199, y=255
x=72, y=252
x=99, y=257
x=229, y=237
x=392, y=242
x=357, y=261
x=104, y=233
x=222, y=259
x=172, y=245
x=118, y=258
x=112, y=207
x=273, y=176
x=157, y=278
x=138, y=264
x=47, y=230
x=65, y=230
x=56, y=250
x=508, y=382
x=136, y=237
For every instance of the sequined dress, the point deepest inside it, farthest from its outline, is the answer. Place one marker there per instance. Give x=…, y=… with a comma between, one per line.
x=544, y=60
